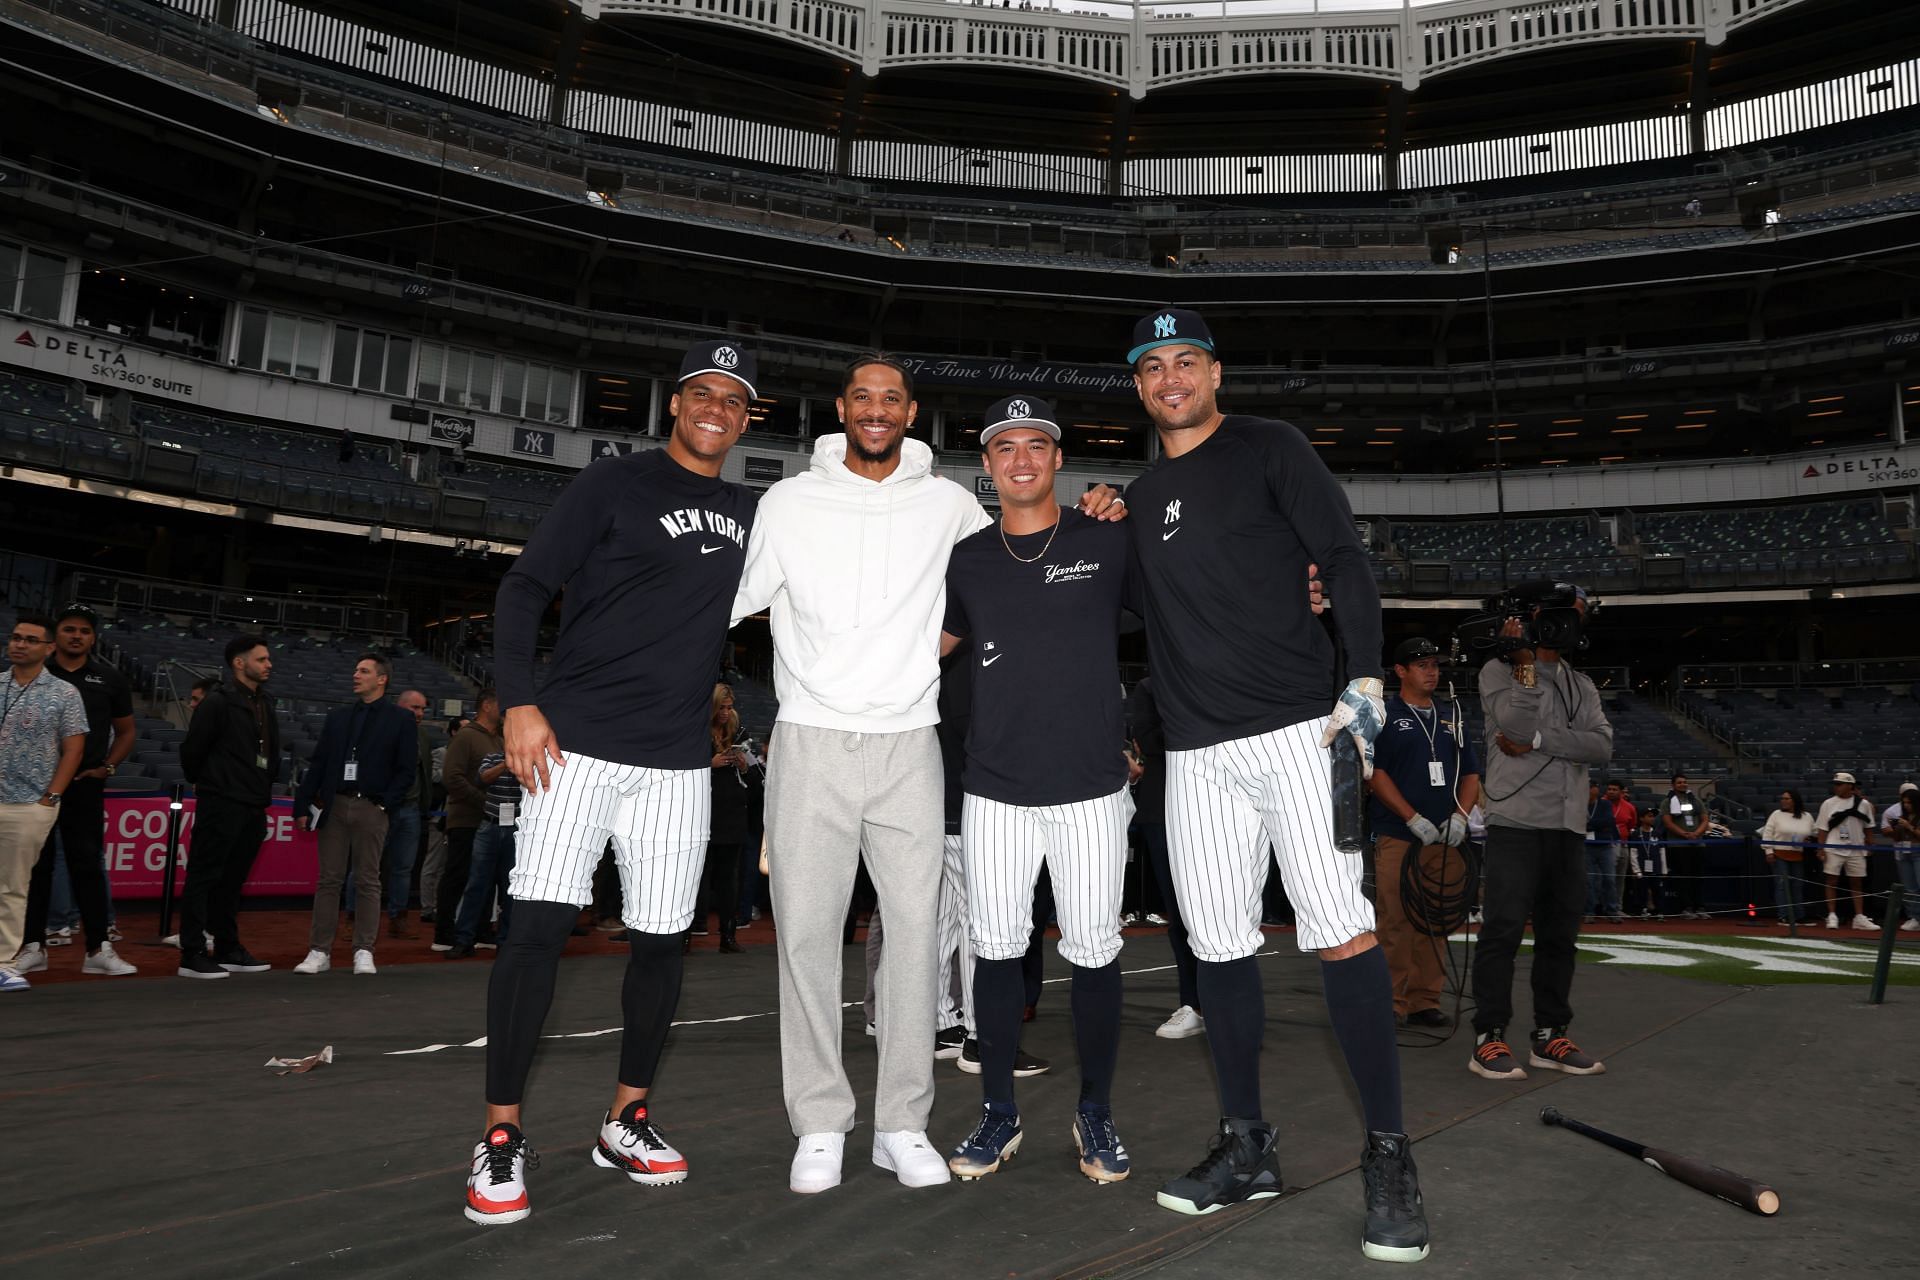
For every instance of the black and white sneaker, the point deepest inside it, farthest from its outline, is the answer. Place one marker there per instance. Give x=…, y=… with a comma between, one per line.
x=240, y=960
x=1241, y=1165
x=1025, y=1065
x=948, y=1042
x=199, y=965
x=1396, y=1215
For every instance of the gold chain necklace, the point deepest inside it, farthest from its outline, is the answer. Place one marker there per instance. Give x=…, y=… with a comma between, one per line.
x=1043, y=550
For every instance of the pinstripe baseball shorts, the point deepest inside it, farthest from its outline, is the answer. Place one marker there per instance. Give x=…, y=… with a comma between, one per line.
x=1084, y=845
x=657, y=819
x=1226, y=805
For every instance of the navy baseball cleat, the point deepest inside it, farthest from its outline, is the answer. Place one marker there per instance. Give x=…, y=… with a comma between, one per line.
x=1396, y=1215
x=1102, y=1158
x=992, y=1143
x=1240, y=1165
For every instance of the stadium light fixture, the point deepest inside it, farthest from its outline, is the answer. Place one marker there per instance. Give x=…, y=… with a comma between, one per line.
x=1551, y=462
x=1614, y=457
x=1695, y=413
x=1691, y=426
x=1629, y=417
x=1628, y=431
x=1568, y=422
x=1561, y=435
x=1825, y=399
x=1826, y=413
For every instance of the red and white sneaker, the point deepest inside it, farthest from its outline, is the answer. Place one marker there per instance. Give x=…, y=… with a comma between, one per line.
x=632, y=1145
x=497, y=1187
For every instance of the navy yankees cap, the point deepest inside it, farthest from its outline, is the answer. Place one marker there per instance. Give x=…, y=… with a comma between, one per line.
x=1019, y=411
x=1167, y=327
x=78, y=610
x=723, y=355
x=1413, y=650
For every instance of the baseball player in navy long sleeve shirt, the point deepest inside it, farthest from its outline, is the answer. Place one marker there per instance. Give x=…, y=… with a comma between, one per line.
x=648, y=549
x=1224, y=524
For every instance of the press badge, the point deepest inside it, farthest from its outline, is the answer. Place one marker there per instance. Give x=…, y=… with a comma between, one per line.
x=506, y=816
x=352, y=771
x=259, y=760
x=1436, y=774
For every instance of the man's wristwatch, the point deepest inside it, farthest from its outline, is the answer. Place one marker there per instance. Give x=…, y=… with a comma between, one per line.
x=50, y=797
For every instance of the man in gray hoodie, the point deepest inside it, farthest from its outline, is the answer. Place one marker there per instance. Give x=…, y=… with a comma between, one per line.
x=1544, y=727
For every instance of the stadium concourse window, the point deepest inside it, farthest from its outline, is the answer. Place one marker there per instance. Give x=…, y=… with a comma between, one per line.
x=615, y=403
x=456, y=376
x=126, y=306
x=537, y=391
x=31, y=282
x=370, y=360
x=277, y=343
x=777, y=417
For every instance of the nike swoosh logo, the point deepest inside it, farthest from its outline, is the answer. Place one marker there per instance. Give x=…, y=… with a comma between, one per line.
x=706, y=550
x=987, y=662
x=1170, y=533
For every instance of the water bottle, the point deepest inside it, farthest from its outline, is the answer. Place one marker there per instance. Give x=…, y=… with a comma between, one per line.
x=1349, y=796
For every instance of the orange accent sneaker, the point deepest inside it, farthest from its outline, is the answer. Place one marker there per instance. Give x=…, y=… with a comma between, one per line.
x=1493, y=1059
x=1552, y=1050
x=497, y=1185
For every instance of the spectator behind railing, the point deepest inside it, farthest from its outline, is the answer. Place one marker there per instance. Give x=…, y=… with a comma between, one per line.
x=1845, y=827
x=1901, y=824
x=1784, y=840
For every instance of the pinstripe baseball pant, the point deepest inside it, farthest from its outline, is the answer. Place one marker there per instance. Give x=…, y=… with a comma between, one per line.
x=956, y=941
x=656, y=818
x=1225, y=805
x=1084, y=844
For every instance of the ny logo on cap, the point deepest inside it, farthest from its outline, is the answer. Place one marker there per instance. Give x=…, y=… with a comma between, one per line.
x=1164, y=326
x=1019, y=409
x=726, y=357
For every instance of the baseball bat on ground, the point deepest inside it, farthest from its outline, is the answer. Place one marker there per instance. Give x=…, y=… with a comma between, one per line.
x=1734, y=1188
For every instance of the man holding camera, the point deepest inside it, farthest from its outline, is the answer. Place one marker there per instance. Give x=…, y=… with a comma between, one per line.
x=1545, y=727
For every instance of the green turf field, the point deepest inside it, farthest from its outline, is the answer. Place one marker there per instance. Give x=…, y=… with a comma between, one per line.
x=1750, y=961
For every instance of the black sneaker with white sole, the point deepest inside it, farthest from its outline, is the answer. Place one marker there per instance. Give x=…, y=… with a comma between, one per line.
x=240, y=960
x=1025, y=1065
x=200, y=965
x=1396, y=1215
x=948, y=1042
x=1241, y=1165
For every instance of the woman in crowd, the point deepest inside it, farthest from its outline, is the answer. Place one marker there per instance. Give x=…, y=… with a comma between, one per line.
x=729, y=830
x=1905, y=825
x=1784, y=840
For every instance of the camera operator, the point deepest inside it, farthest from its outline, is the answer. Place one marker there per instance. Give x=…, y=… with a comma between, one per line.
x=1545, y=726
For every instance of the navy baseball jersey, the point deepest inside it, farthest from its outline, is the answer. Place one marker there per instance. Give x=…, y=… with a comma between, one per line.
x=1415, y=742
x=1223, y=535
x=650, y=556
x=1046, y=705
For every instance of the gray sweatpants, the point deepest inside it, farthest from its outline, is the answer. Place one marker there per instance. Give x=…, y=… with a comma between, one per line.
x=831, y=794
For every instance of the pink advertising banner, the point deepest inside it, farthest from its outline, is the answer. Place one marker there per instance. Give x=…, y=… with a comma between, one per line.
x=136, y=843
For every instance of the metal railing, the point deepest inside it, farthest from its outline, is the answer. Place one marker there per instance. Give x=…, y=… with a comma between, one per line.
x=237, y=608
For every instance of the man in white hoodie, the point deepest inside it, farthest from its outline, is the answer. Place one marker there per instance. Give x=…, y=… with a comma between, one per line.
x=851, y=556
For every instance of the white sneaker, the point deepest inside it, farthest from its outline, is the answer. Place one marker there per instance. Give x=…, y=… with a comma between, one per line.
x=10, y=980
x=1128, y=920
x=1833, y=921
x=1186, y=1021
x=911, y=1158
x=32, y=959
x=1861, y=922
x=106, y=962
x=816, y=1163
x=61, y=937
x=363, y=963
x=1909, y=925
x=316, y=962
x=1157, y=920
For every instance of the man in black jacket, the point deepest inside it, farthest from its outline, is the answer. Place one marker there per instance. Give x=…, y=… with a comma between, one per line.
x=362, y=768
x=232, y=756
